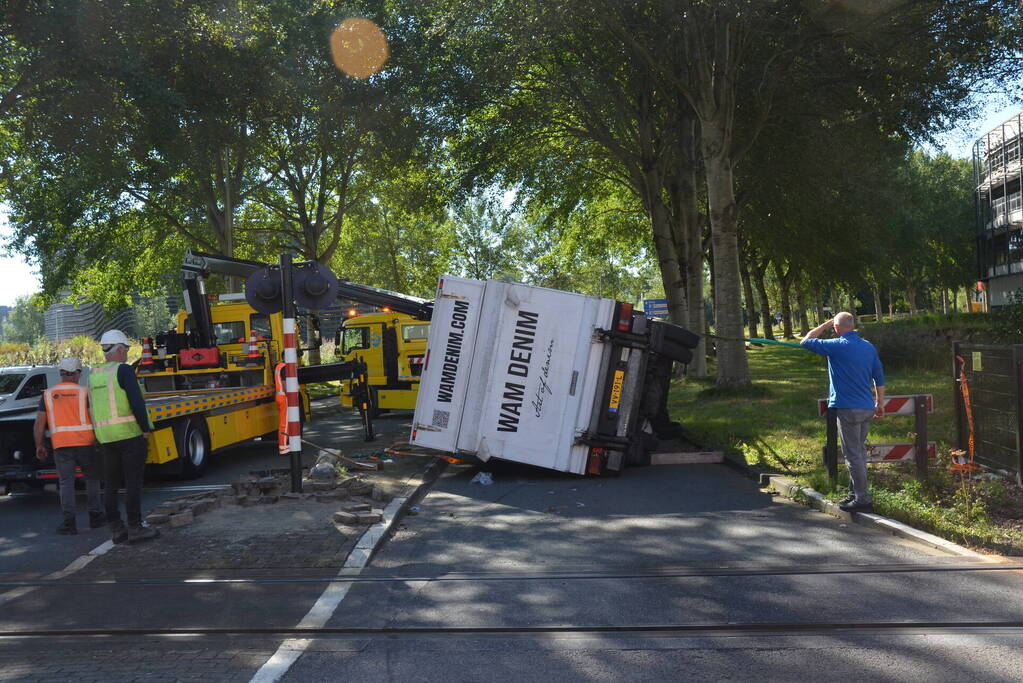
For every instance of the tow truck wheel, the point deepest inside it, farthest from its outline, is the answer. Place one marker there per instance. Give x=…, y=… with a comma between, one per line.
x=193, y=447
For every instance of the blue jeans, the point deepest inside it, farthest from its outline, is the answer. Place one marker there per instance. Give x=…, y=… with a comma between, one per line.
x=854, y=424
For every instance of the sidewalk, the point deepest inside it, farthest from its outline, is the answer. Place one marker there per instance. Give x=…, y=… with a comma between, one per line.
x=272, y=528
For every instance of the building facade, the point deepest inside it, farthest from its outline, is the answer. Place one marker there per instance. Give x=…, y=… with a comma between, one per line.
x=999, y=212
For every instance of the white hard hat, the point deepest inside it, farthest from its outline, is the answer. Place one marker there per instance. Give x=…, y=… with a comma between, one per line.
x=111, y=337
x=70, y=365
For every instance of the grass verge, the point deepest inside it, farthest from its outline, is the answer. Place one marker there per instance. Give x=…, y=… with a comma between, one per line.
x=775, y=426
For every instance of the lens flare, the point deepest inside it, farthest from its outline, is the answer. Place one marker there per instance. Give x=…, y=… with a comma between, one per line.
x=359, y=47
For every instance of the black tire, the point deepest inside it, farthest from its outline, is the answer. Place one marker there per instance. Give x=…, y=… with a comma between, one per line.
x=193, y=444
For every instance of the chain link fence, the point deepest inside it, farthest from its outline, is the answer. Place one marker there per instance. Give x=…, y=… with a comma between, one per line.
x=994, y=378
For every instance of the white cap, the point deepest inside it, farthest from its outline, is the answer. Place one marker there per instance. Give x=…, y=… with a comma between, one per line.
x=111, y=337
x=70, y=365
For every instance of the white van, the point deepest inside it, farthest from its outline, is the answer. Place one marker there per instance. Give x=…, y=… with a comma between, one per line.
x=21, y=387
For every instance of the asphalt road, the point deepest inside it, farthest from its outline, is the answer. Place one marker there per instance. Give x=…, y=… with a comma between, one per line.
x=665, y=573
x=531, y=524
x=28, y=518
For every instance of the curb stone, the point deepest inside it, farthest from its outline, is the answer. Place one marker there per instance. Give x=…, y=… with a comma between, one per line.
x=811, y=498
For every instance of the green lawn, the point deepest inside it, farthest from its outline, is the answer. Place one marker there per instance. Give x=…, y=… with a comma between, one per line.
x=776, y=426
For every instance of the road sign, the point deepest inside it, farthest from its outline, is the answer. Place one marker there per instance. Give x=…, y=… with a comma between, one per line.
x=893, y=405
x=656, y=307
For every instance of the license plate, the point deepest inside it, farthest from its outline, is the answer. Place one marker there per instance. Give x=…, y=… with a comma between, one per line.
x=616, y=390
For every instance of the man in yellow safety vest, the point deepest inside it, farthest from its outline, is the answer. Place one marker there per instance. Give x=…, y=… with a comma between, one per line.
x=122, y=428
x=63, y=410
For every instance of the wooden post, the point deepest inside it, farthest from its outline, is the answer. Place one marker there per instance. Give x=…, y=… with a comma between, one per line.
x=920, y=413
x=831, y=446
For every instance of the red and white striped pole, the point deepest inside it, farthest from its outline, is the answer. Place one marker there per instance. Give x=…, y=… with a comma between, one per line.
x=291, y=375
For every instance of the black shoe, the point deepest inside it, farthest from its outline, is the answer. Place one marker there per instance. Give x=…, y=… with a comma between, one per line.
x=856, y=507
x=848, y=499
x=97, y=520
x=118, y=533
x=142, y=533
x=68, y=527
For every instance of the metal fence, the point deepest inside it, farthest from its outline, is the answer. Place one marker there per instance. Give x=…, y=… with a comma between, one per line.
x=994, y=377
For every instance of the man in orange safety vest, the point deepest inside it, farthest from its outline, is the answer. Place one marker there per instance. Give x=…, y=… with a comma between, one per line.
x=282, y=410
x=64, y=410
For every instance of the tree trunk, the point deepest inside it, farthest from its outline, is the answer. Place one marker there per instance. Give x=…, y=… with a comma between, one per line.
x=911, y=297
x=944, y=301
x=955, y=299
x=311, y=336
x=689, y=242
x=804, y=326
x=747, y=294
x=649, y=186
x=733, y=366
x=765, y=304
x=785, y=285
x=878, y=311
x=818, y=304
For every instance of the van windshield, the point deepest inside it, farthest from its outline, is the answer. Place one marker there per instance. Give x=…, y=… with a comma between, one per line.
x=10, y=382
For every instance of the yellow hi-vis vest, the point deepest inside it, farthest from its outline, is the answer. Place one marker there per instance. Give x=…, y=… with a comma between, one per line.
x=111, y=412
x=68, y=416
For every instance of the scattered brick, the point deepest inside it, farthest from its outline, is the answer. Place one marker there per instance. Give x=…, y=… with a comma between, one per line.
x=153, y=519
x=370, y=517
x=182, y=519
x=356, y=507
x=342, y=517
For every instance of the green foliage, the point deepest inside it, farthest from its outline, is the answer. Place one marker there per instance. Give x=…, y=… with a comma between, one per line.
x=25, y=322
x=784, y=433
x=86, y=349
x=152, y=315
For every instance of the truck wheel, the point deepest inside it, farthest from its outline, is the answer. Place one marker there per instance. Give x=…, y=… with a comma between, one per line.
x=193, y=447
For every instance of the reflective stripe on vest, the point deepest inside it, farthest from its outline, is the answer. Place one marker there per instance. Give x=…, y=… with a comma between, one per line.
x=111, y=412
x=279, y=379
x=67, y=415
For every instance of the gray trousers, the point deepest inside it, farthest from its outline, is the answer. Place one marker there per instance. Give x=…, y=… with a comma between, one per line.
x=854, y=424
x=88, y=458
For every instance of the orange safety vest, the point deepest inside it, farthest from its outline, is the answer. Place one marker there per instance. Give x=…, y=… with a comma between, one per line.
x=67, y=415
x=283, y=447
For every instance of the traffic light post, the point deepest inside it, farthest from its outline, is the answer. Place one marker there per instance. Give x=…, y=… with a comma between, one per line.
x=277, y=289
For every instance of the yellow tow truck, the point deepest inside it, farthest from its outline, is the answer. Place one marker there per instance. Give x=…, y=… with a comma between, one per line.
x=203, y=388
x=393, y=347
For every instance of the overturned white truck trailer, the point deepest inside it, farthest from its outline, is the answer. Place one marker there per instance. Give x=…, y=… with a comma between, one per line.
x=543, y=377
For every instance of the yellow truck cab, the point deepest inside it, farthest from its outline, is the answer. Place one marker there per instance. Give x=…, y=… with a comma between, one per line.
x=393, y=346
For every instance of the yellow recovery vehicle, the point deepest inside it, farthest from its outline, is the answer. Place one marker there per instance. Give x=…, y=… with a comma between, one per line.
x=205, y=389
x=393, y=347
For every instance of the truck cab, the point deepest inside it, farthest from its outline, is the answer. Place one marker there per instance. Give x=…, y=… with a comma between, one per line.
x=177, y=366
x=393, y=346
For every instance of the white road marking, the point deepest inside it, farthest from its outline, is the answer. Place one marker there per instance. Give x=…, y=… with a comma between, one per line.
x=321, y=612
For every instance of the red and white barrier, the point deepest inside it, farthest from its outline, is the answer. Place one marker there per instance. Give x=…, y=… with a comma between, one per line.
x=291, y=385
x=894, y=452
x=893, y=405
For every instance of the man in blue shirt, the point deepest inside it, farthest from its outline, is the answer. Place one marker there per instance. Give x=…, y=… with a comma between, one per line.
x=857, y=393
